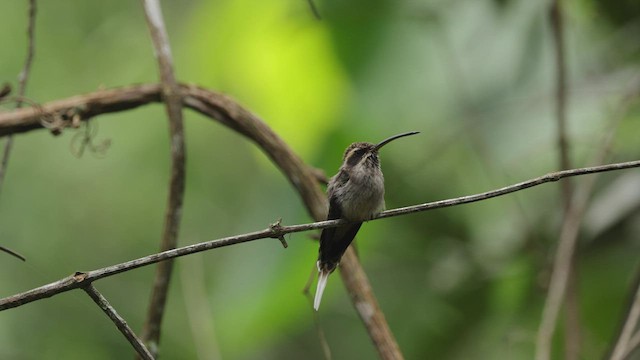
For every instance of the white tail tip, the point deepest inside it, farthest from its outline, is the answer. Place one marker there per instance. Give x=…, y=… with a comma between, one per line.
x=323, y=276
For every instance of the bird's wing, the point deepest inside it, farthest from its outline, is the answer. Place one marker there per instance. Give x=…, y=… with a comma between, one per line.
x=334, y=241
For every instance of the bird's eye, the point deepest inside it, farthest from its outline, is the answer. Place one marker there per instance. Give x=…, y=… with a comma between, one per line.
x=355, y=156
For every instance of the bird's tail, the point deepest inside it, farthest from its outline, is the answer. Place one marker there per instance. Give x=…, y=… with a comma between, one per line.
x=323, y=276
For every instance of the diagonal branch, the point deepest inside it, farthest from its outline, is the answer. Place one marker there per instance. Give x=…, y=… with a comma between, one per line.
x=634, y=344
x=563, y=275
x=120, y=323
x=172, y=97
x=624, y=345
x=305, y=180
x=274, y=232
x=223, y=109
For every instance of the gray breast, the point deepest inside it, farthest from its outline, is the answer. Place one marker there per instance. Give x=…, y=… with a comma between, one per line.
x=362, y=197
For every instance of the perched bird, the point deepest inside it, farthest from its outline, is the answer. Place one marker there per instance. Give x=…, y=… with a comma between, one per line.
x=356, y=194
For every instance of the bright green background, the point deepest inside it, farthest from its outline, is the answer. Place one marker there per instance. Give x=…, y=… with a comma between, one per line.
x=475, y=77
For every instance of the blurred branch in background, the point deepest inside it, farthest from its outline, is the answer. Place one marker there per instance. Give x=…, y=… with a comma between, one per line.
x=172, y=98
x=22, y=85
x=219, y=107
x=224, y=109
x=198, y=310
x=573, y=328
x=626, y=342
x=314, y=9
x=570, y=217
x=561, y=278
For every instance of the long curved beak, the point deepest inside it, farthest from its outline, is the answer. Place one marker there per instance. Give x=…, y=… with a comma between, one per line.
x=388, y=140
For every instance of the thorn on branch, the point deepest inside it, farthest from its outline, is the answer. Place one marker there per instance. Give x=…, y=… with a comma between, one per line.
x=276, y=229
x=79, y=276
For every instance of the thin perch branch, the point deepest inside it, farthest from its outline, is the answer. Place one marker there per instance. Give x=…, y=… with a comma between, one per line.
x=172, y=97
x=78, y=279
x=120, y=323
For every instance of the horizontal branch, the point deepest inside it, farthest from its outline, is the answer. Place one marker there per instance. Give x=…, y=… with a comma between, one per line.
x=60, y=114
x=276, y=231
x=550, y=177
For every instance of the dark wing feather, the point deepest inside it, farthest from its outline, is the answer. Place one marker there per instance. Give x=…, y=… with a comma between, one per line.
x=335, y=241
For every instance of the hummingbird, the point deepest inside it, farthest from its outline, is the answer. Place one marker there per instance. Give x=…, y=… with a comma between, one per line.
x=356, y=194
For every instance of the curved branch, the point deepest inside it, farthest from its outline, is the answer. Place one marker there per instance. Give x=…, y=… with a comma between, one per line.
x=219, y=107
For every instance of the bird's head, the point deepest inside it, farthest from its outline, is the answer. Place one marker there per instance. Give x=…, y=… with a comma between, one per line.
x=366, y=154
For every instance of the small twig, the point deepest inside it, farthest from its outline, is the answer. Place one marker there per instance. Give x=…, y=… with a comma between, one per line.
x=172, y=96
x=276, y=226
x=314, y=9
x=22, y=85
x=11, y=252
x=84, y=140
x=324, y=344
x=307, y=286
x=322, y=338
x=67, y=284
x=120, y=323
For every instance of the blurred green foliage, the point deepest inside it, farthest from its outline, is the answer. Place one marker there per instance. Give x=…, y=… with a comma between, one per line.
x=475, y=77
